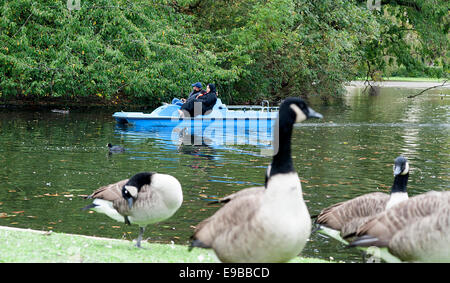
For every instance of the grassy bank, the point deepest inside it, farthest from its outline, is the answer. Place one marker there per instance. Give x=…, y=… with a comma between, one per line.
x=24, y=245
x=408, y=79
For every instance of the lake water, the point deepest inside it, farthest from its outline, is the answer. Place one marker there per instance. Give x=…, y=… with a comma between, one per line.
x=50, y=161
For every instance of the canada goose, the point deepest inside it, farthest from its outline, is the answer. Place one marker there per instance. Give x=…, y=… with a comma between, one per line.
x=348, y=215
x=269, y=224
x=415, y=230
x=115, y=148
x=143, y=199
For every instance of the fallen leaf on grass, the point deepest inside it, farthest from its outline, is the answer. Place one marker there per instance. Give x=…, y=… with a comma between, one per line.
x=384, y=186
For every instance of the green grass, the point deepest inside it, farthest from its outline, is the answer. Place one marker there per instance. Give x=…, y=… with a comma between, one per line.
x=374, y=252
x=409, y=79
x=22, y=245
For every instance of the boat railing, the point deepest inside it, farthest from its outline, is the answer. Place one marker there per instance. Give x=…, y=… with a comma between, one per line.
x=265, y=107
x=253, y=107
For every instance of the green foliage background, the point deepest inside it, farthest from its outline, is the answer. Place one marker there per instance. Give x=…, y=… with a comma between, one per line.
x=151, y=51
x=413, y=39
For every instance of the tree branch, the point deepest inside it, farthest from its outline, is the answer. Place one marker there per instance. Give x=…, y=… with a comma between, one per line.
x=423, y=91
x=368, y=76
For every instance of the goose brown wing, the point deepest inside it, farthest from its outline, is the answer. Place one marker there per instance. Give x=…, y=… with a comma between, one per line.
x=386, y=224
x=427, y=239
x=344, y=214
x=238, y=212
x=110, y=192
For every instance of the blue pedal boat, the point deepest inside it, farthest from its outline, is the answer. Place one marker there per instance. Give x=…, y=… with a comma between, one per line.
x=222, y=116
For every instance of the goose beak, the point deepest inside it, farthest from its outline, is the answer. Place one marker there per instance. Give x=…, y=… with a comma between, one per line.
x=314, y=114
x=130, y=203
x=397, y=170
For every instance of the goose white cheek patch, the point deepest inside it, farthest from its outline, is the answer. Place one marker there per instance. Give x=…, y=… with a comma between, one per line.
x=404, y=172
x=299, y=113
x=132, y=190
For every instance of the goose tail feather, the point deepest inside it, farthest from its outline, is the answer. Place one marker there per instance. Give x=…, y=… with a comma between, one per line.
x=92, y=205
x=197, y=244
x=367, y=241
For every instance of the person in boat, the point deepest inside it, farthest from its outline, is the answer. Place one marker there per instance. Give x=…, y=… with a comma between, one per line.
x=196, y=90
x=207, y=99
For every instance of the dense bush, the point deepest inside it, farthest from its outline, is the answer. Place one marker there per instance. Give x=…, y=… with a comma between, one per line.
x=143, y=50
x=151, y=51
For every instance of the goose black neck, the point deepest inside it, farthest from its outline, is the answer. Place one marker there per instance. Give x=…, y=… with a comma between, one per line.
x=282, y=160
x=400, y=183
x=140, y=180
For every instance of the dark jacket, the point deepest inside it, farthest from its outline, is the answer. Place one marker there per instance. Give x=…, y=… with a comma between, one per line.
x=207, y=100
x=194, y=93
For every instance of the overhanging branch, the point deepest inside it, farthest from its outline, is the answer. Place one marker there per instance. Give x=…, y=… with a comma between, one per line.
x=423, y=91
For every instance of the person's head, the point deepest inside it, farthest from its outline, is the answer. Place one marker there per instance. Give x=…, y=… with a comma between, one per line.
x=197, y=86
x=211, y=88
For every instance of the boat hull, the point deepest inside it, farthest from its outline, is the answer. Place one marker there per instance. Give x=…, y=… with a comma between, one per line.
x=220, y=117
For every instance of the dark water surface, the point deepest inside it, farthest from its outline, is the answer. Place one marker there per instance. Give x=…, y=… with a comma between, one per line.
x=49, y=161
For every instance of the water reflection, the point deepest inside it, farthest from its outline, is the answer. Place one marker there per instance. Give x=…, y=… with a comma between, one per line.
x=232, y=138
